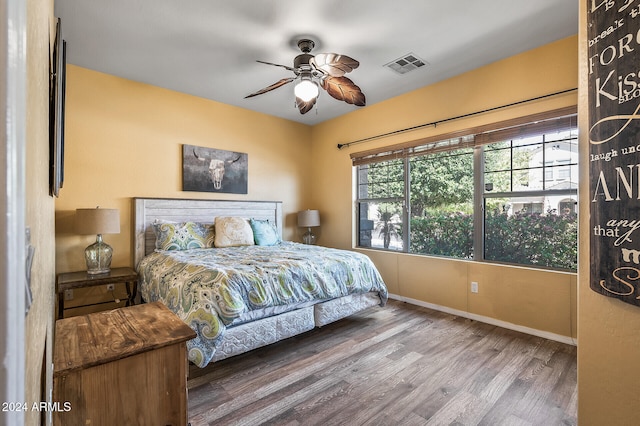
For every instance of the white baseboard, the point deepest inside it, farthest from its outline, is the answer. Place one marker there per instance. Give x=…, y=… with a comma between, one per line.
x=488, y=320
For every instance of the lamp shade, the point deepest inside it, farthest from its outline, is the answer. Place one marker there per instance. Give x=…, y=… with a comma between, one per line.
x=308, y=218
x=97, y=221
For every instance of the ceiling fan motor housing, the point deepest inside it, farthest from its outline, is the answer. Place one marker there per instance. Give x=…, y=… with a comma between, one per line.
x=302, y=61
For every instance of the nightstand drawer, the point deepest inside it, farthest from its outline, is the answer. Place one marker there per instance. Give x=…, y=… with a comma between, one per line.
x=71, y=281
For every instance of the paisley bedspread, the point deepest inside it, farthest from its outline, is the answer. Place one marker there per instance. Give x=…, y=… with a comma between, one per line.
x=215, y=288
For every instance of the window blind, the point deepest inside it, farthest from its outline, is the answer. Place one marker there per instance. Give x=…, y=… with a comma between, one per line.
x=530, y=125
x=528, y=130
x=430, y=146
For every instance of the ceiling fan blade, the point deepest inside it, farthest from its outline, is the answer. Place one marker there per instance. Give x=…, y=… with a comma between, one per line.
x=344, y=89
x=305, y=106
x=278, y=65
x=334, y=64
x=273, y=86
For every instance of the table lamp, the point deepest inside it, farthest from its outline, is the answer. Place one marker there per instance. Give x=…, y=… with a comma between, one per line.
x=308, y=219
x=98, y=221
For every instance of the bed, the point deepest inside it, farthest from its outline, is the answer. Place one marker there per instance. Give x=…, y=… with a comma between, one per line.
x=238, y=297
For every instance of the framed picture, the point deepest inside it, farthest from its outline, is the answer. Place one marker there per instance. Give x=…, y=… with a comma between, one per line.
x=56, y=113
x=214, y=170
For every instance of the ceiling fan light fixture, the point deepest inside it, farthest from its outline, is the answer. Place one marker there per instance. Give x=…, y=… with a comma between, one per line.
x=306, y=89
x=312, y=72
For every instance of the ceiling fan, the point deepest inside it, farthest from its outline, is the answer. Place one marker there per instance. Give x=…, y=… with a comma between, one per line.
x=326, y=70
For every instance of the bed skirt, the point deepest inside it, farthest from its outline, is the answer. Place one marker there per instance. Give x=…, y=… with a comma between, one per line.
x=252, y=335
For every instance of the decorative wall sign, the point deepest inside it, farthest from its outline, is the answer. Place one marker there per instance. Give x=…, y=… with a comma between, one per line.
x=614, y=147
x=214, y=170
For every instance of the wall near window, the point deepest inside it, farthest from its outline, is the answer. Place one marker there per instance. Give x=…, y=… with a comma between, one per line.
x=526, y=297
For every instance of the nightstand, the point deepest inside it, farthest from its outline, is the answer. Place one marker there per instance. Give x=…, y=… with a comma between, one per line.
x=127, y=366
x=73, y=280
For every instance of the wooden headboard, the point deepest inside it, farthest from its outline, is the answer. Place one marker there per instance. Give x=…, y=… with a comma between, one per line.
x=147, y=210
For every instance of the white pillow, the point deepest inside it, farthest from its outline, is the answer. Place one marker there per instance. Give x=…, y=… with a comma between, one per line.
x=232, y=232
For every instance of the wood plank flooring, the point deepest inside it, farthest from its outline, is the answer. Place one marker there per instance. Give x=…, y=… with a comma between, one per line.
x=398, y=365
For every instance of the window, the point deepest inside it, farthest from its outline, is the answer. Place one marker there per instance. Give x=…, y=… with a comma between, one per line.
x=381, y=197
x=530, y=219
x=505, y=196
x=441, y=197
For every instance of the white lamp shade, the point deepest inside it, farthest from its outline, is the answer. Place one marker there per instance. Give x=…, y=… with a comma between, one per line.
x=97, y=221
x=308, y=218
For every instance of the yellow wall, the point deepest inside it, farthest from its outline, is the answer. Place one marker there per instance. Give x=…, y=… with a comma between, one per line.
x=540, y=300
x=39, y=208
x=609, y=349
x=124, y=139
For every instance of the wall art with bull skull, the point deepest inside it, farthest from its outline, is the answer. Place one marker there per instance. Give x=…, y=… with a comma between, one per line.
x=214, y=170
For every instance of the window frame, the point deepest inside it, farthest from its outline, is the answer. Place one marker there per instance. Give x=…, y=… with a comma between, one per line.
x=537, y=124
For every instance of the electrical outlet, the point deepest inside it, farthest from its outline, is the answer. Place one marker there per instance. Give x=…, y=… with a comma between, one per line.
x=474, y=287
x=68, y=295
x=110, y=287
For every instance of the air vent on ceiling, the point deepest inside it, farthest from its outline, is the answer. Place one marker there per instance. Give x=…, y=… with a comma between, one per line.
x=408, y=62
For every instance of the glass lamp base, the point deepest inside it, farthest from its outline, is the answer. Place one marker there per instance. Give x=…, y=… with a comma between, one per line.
x=98, y=257
x=309, y=237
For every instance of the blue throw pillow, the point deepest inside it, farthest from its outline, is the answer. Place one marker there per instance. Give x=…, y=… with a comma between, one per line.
x=264, y=233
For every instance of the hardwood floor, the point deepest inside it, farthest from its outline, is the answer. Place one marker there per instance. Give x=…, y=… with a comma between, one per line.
x=399, y=365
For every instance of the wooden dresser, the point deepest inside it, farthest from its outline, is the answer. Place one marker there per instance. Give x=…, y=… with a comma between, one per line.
x=127, y=366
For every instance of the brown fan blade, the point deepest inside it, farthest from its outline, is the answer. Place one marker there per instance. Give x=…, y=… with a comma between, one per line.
x=278, y=65
x=333, y=64
x=305, y=106
x=273, y=86
x=344, y=89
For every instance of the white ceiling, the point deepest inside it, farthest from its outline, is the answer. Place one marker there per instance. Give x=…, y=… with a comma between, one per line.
x=208, y=48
